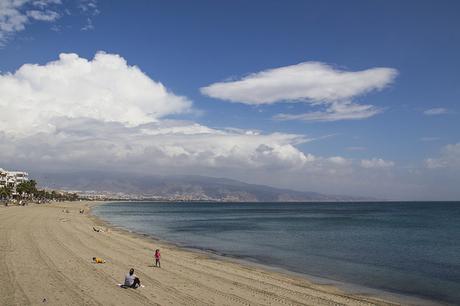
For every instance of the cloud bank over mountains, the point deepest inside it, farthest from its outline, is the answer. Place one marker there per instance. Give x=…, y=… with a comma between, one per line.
x=314, y=83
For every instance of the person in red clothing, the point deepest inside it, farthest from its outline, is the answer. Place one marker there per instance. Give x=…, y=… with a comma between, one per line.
x=157, y=258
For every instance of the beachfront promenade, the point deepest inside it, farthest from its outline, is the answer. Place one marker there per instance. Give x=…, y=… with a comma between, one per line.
x=45, y=257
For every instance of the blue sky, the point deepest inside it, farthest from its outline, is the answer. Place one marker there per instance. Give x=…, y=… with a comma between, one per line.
x=190, y=45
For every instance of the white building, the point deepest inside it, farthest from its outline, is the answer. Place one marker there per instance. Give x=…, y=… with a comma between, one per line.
x=12, y=178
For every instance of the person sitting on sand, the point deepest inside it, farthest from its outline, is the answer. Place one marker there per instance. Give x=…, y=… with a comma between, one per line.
x=131, y=280
x=98, y=260
x=157, y=258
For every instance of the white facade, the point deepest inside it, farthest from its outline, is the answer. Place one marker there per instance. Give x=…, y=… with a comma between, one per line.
x=12, y=178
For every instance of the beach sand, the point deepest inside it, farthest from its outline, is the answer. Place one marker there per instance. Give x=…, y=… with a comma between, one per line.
x=45, y=258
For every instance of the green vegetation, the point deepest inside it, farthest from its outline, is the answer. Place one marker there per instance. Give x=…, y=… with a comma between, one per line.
x=27, y=191
x=56, y=196
x=27, y=188
x=5, y=193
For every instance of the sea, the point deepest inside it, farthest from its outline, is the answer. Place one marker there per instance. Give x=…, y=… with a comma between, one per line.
x=408, y=248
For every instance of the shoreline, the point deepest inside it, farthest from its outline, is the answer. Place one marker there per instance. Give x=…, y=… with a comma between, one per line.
x=45, y=254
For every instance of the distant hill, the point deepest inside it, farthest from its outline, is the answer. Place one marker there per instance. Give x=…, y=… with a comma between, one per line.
x=185, y=187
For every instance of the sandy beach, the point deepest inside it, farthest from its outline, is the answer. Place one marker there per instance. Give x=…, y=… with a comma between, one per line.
x=45, y=258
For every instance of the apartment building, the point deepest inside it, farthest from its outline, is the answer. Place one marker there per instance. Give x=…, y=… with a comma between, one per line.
x=12, y=178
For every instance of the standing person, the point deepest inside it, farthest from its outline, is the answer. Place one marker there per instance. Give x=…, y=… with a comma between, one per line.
x=157, y=258
x=131, y=280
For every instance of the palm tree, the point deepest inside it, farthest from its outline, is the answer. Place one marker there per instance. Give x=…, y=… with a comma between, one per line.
x=5, y=193
x=29, y=188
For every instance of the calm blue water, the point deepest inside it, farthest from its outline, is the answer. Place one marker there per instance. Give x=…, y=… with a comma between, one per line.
x=411, y=248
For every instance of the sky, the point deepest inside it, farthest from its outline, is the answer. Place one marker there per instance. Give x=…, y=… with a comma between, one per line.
x=340, y=97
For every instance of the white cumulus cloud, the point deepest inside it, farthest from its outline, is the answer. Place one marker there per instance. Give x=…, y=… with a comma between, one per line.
x=105, y=88
x=309, y=82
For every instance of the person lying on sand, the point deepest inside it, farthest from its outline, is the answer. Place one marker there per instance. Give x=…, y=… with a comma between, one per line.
x=96, y=229
x=98, y=260
x=131, y=280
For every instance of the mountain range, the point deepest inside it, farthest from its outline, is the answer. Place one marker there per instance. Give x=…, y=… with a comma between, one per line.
x=180, y=187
